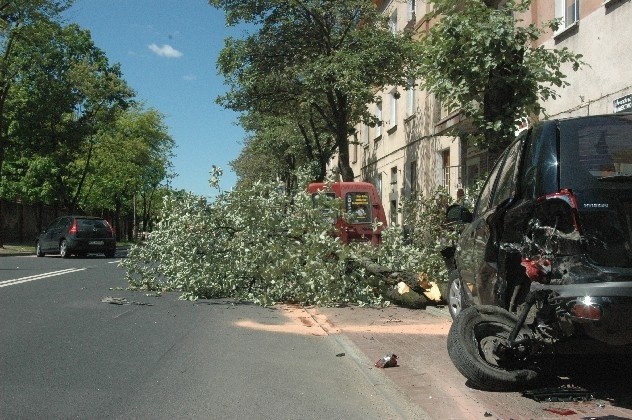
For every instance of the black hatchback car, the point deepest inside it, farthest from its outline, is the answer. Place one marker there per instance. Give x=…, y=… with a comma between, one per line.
x=556, y=209
x=78, y=235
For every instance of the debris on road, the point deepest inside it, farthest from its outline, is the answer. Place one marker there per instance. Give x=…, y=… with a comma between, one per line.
x=340, y=355
x=561, y=394
x=122, y=301
x=561, y=412
x=387, y=361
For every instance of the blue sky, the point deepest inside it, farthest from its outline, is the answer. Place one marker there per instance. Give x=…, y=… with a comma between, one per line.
x=168, y=51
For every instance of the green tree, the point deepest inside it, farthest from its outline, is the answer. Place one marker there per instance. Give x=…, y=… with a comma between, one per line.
x=16, y=20
x=132, y=161
x=65, y=90
x=323, y=60
x=16, y=17
x=478, y=58
x=277, y=146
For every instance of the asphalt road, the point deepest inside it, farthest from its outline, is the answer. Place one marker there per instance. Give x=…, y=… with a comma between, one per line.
x=67, y=353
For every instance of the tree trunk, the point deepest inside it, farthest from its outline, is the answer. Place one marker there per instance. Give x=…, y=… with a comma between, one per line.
x=343, y=162
x=497, y=102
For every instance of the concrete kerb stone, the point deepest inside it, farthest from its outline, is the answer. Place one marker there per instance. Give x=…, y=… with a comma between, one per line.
x=398, y=400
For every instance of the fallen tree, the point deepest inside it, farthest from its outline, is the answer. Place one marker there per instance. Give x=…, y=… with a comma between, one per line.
x=263, y=245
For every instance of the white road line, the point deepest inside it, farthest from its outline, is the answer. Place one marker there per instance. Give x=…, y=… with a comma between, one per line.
x=13, y=282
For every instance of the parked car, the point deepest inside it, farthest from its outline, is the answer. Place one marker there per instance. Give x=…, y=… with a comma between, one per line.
x=556, y=208
x=361, y=201
x=78, y=235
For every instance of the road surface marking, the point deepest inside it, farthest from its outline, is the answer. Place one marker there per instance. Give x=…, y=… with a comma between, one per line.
x=13, y=282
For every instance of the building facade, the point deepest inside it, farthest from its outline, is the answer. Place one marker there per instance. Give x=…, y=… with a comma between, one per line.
x=407, y=153
x=410, y=153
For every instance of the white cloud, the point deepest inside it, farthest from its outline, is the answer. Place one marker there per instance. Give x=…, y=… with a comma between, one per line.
x=190, y=77
x=165, y=51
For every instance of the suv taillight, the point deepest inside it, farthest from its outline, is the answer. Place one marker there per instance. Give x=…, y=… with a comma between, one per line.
x=567, y=196
x=73, y=228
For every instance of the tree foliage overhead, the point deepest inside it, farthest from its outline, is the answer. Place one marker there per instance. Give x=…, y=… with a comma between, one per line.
x=277, y=146
x=71, y=134
x=322, y=61
x=480, y=59
x=132, y=160
x=63, y=91
x=16, y=21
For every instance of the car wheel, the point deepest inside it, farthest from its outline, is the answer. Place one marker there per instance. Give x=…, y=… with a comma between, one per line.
x=38, y=250
x=455, y=298
x=110, y=254
x=476, y=345
x=63, y=249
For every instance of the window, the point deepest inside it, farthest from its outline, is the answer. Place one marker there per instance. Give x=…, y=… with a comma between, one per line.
x=378, y=185
x=483, y=205
x=568, y=11
x=410, y=98
x=411, y=9
x=393, y=110
x=393, y=22
x=354, y=155
x=506, y=187
x=365, y=135
x=445, y=157
x=378, y=115
x=413, y=178
x=393, y=179
x=393, y=213
x=359, y=206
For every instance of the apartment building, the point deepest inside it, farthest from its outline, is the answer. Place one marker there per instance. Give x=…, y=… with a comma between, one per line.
x=600, y=31
x=410, y=152
x=407, y=153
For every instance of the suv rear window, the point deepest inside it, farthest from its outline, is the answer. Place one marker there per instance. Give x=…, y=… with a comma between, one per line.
x=601, y=146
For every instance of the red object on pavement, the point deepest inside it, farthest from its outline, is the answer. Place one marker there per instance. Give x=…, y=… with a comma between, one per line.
x=387, y=361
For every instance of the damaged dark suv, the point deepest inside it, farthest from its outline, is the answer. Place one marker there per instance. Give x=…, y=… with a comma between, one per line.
x=556, y=207
x=545, y=266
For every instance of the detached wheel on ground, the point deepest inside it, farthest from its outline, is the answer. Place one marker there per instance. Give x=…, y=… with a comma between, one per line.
x=474, y=341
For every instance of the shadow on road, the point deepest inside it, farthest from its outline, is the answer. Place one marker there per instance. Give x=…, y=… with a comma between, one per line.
x=602, y=377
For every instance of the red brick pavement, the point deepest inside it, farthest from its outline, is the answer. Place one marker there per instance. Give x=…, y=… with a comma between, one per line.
x=426, y=375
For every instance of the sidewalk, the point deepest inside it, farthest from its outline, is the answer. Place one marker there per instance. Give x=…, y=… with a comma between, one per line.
x=13, y=250
x=426, y=375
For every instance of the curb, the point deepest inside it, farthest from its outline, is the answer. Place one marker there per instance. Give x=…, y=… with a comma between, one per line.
x=390, y=391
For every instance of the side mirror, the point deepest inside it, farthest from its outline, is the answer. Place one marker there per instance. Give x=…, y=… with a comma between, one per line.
x=458, y=213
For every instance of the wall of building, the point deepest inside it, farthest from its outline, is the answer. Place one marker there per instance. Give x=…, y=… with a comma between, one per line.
x=407, y=154
x=386, y=156
x=602, y=36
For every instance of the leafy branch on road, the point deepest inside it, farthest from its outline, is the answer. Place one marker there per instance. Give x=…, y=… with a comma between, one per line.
x=259, y=244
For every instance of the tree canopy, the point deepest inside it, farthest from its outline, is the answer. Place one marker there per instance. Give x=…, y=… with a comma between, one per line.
x=482, y=60
x=71, y=134
x=319, y=63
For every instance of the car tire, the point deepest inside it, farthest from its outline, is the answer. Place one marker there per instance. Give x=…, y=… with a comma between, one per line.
x=454, y=294
x=110, y=254
x=63, y=249
x=38, y=250
x=471, y=341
